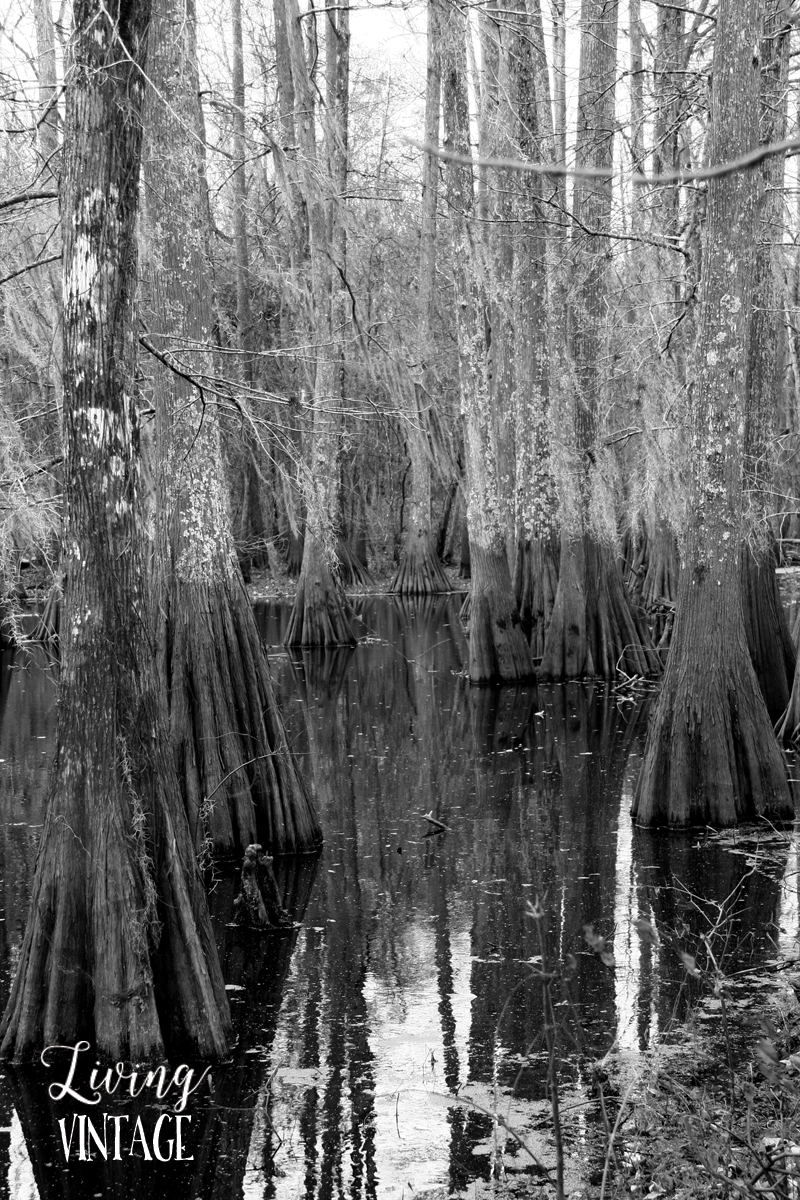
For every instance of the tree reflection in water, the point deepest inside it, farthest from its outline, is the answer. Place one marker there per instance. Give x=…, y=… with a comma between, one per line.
x=411, y=976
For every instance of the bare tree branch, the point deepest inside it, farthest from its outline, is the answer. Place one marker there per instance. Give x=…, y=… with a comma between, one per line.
x=24, y=197
x=745, y=163
x=41, y=262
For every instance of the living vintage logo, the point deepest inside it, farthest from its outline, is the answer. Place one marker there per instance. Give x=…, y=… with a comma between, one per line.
x=115, y=1136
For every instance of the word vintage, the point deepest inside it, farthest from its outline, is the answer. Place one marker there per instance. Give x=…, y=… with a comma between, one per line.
x=118, y=1135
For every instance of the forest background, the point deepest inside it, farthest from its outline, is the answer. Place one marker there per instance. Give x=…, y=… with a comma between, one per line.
x=548, y=341
x=412, y=358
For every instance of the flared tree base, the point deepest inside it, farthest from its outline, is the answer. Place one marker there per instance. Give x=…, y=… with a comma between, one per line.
x=240, y=777
x=294, y=555
x=770, y=643
x=352, y=571
x=594, y=632
x=788, y=725
x=498, y=648
x=659, y=589
x=711, y=756
x=318, y=616
x=420, y=572
x=118, y=949
x=535, y=588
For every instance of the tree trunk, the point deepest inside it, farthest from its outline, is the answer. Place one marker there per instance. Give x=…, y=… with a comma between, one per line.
x=318, y=616
x=668, y=81
x=498, y=647
x=536, y=299
x=244, y=318
x=420, y=570
x=240, y=781
x=593, y=630
x=48, y=119
x=535, y=587
x=659, y=585
x=118, y=947
x=769, y=641
x=711, y=757
x=636, y=92
x=768, y=636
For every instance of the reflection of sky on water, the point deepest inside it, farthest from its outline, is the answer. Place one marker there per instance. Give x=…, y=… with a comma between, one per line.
x=788, y=939
x=411, y=975
x=627, y=943
x=21, y=1183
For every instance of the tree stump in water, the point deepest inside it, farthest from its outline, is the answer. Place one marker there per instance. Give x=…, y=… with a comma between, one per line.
x=259, y=903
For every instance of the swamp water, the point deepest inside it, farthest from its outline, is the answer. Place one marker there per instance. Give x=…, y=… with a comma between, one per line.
x=385, y=1041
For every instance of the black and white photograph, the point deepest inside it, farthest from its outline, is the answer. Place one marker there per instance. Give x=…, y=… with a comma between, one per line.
x=400, y=600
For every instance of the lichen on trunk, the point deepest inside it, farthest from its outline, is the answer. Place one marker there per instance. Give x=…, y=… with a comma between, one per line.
x=318, y=616
x=240, y=781
x=118, y=948
x=498, y=647
x=711, y=756
x=768, y=637
x=593, y=630
x=420, y=571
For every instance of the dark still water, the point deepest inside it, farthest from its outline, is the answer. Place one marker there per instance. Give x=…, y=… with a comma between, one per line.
x=411, y=979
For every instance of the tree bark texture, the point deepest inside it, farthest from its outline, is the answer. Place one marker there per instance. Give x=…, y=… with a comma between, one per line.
x=244, y=318
x=636, y=89
x=420, y=571
x=768, y=636
x=593, y=629
x=318, y=616
x=240, y=780
x=535, y=587
x=498, y=128
x=498, y=647
x=48, y=120
x=118, y=947
x=659, y=585
x=535, y=300
x=711, y=756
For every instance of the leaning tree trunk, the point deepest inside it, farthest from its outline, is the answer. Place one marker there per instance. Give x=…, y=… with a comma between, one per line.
x=768, y=637
x=711, y=756
x=593, y=629
x=319, y=617
x=498, y=648
x=240, y=780
x=118, y=948
x=420, y=571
